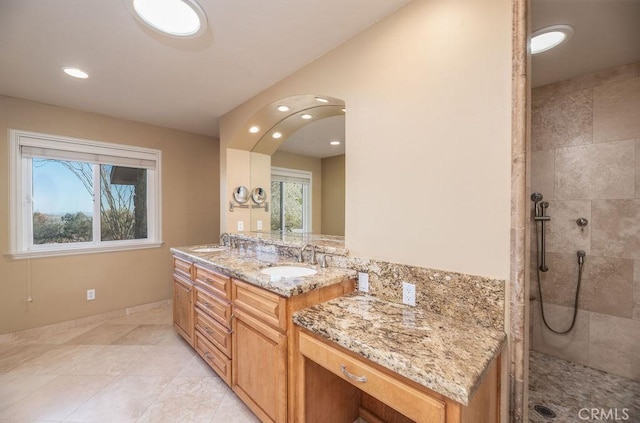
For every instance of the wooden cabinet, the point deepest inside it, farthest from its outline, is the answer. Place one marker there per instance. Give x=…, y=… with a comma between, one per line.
x=377, y=394
x=245, y=333
x=183, y=299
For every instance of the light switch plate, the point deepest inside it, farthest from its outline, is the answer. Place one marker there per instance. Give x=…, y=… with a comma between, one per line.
x=91, y=294
x=259, y=225
x=363, y=282
x=240, y=225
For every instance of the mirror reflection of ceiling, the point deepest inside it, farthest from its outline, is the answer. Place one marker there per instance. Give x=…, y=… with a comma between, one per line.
x=314, y=139
x=606, y=35
x=267, y=129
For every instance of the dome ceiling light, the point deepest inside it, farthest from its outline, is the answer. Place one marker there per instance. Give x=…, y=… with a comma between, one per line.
x=178, y=18
x=547, y=38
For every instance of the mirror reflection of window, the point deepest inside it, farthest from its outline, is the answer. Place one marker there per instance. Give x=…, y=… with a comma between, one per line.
x=290, y=200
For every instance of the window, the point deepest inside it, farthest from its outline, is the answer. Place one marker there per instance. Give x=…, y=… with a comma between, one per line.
x=290, y=200
x=72, y=196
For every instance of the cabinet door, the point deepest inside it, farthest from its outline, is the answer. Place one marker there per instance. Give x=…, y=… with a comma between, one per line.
x=183, y=299
x=260, y=367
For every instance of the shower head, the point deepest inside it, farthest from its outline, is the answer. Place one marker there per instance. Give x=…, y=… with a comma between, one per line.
x=544, y=204
x=536, y=197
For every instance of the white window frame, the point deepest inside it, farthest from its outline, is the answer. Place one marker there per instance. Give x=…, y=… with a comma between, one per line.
x=20, y=186
x=304, y=177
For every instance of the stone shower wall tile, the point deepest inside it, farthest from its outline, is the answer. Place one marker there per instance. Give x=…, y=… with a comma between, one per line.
x=614, y=346
x=636, y=289
x=562, y=121
x=616, y=228
x=616, y=111
x=542, y=173
x=637, y=168
x=559, y=283
x=598, y=171
x=573, y=346
x=607, y=286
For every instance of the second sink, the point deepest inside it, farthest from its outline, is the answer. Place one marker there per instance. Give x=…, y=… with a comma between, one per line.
x=288, y=271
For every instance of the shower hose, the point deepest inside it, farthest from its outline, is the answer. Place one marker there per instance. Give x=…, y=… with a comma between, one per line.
x=575, y=302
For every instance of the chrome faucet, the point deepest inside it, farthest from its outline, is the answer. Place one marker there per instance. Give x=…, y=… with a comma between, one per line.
x=313, y=254
x=228, y=239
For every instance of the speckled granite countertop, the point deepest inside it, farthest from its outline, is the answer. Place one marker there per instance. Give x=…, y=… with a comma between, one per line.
x=440, y=353
x=246, y=264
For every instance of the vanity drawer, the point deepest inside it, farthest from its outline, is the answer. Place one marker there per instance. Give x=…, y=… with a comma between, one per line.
x=219, y=309
x=216, y=282
x=265, y=305
x=183, y=267
x=214, y=357
x=406, y=399
x=216, y=333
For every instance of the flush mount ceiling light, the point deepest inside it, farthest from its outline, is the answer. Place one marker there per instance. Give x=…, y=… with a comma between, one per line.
x=547, y=38
x=283, y=108
x=178, y=18
x=306, y=116
x=76, y=73
x=254, y=129
x=277, y=135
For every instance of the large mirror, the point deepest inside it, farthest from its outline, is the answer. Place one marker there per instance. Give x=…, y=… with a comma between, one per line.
x=300, y=163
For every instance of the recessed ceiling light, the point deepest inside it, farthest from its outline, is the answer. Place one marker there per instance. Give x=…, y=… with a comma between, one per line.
x=547, y=38
x=254, y=129
x=76, y=73
x=306, y=116
x=277, y=135
x=179, y=18
x=335, y=142
x=322, y=100
x=283, y=108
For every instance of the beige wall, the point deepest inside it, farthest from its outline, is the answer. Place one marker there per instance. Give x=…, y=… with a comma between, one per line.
x=121, y=279
x=310, y=164
x=333, y=195
x=585, y=142
x=428, y=125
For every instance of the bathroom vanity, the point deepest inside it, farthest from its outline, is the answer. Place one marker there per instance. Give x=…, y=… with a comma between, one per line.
x=309, y=349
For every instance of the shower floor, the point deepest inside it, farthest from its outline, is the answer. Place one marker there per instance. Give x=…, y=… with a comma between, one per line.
x=568, y=388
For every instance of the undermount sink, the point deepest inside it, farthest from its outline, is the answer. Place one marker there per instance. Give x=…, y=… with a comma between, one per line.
x=278, y=272
x=211, y=249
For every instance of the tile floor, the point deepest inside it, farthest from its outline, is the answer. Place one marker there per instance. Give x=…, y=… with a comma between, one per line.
x=129, y=369
x=567, y=388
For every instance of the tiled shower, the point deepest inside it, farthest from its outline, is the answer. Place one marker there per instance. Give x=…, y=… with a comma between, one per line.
x=586, y=162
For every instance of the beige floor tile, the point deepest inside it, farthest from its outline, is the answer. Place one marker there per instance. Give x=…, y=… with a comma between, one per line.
x=197, y=367
x=146, y=335
x=14, y=387
x=103, y=334
x=59, y=360
x=232, y=410
x=159, y=360
x=16, y=355
x=123, y=400
x=112, y=360
x=187, y=399
x=57, y=338
x=174, y=339
x=159, y=316
x=57, y=399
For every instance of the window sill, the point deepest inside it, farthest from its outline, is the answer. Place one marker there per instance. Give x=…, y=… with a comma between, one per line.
x=84, y=250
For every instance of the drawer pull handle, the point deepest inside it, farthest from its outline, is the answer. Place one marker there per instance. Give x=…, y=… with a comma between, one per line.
x=208, y=280
x=352, y=376
x=208, y=305
x=209, y=331
x=208, y=355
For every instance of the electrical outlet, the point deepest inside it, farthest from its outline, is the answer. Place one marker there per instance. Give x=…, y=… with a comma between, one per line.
x=363, y=282
x=91, y=294
x=240, y=225
x=259, y=225
x=408, y=293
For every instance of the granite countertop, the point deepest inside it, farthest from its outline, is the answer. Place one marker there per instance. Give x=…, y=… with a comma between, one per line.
x=246, y=264
x=445, y=355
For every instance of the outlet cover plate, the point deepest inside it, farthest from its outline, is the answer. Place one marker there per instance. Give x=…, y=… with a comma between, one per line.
x=408, y=293
x=91, y=294
x=363, y=282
